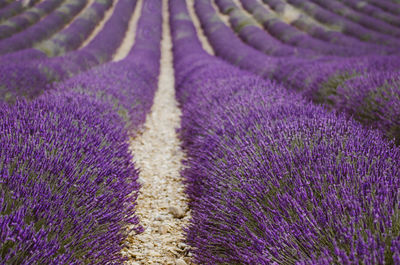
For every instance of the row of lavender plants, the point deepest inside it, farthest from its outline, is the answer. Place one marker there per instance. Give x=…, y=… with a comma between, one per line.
x=358, y=17
x=365, y=87
x=287, y=31
x=30, y=77
x=44, y=29
x=343, y=24
x=324, y=32
x=273, y=178
x=27, y=18
x=388, y=6
x=320, y=41
x=4, y=3
x=373, y=11
x=13, y=9
x=68, y=185
x=69, y=39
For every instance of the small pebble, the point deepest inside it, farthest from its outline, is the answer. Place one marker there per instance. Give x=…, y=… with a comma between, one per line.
x=176, y=212
x=182, y=245
x=180, y=262
x=149, y=245
x=163, y=229
x=158, y=218
x=154, y=253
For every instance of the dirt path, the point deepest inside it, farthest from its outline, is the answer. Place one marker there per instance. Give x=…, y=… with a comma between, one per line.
x=129, y=39
x=162, y=203
x=100, y=26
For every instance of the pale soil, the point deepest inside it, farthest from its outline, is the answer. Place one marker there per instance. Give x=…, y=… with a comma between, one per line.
x=162, y=205
x=129, y=39
x=290, y=14
x=100, y=26
x=200, y=33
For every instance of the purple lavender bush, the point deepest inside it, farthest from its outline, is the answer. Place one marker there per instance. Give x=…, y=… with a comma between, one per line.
x=372, y=10
x=4, y=3
x=72, y=37
x=343, y=24
x=27, y=18
x=66, y=40
x=388, y=6
x=364, y=87
x=68, y=183
x=43, y=29
x=291, y=35
x=42, y=72
x=316, y=78
x=359, y=18
x=274, y=179
x=256, y=37
x=325, y=33
x=10, y=10
x=373, y=98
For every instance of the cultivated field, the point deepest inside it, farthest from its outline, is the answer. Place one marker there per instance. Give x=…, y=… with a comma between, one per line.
x=191, y=132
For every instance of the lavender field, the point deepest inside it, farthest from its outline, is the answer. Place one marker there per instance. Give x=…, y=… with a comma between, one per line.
x=190, y=132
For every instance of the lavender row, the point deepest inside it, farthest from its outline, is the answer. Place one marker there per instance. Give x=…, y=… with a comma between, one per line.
x=373, y=11
x=254, y=36
x=13, y=9
x=366, y=88
x=31, y=77
x=68, y=39
x=44, y=29
x=343, y=24
x=72, y=37
x=364, y=20
x=284, y=32
x=4, y=3
x=303, y=23
x=228, y=46
x=273, y=178
x=351, y=86
x=10, y=10
x=262, y=41
x=388, y=6
x=68, y=184
x=291, y=35
x=28, y=18
x=316, y=79
x=310, y=27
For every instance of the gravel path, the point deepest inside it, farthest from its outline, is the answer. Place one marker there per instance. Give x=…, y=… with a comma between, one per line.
x=100, y=26
x=162, y=204
x=129, y=39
